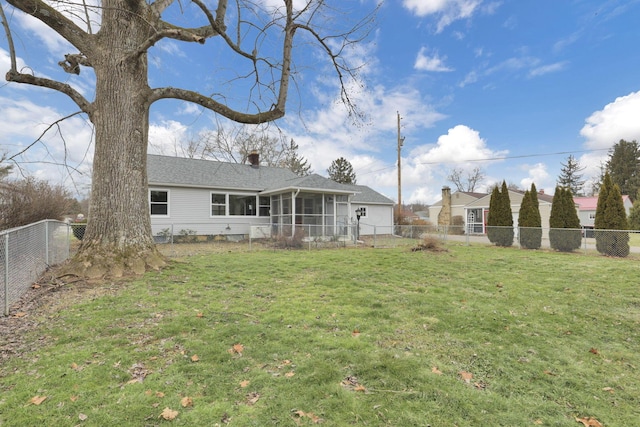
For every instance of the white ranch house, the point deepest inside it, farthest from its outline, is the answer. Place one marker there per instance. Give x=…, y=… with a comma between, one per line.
x=232, y=201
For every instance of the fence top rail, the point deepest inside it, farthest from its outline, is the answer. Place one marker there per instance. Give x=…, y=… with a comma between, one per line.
x=12, y=230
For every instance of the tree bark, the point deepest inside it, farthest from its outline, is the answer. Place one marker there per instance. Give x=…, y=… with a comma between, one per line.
x=118, y=237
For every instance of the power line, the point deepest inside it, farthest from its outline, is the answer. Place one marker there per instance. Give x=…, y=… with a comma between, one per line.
x=490, y=159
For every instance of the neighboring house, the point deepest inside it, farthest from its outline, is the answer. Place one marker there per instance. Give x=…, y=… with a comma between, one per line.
x=459, y=200
x=210, y=198
x=476, y=212
x=588, y=206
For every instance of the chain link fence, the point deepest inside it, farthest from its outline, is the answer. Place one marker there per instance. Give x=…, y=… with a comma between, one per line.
x=26, y=252
x=615, y=243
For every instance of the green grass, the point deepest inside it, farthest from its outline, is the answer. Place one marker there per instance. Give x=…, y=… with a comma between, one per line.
x=343, y=337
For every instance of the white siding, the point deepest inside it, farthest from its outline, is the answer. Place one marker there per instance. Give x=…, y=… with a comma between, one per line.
x=190, y=209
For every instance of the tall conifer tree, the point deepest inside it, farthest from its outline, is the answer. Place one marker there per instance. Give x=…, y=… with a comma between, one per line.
x=564, y=234
x=529, y=220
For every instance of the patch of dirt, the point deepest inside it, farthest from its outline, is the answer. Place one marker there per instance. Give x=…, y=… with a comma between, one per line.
x=47, y=296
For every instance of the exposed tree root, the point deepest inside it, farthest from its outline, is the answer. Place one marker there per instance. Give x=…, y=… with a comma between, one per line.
x=101, y=263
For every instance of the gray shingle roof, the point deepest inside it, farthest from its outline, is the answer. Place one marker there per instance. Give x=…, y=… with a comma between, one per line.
x=165, y=170
x=184, y=172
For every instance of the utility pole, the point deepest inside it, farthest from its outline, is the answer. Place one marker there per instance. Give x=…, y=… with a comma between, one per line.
x=400, y=142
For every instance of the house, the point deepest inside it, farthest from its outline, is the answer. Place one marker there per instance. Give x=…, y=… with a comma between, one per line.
x=210, y=198
x=588, y=205
x=476, y=212
x=456, y=203
x=474, y=208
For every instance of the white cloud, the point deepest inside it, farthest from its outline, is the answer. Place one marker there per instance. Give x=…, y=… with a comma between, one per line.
x=604, y=128
x=430, y=63
x=447, y=10
x=461, y=145
x=617, y=120
x=166, y=137
x=546, y=69
x=537, y=174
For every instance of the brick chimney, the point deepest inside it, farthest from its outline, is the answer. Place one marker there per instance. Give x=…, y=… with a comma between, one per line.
x=444, y=217
x=254, y=159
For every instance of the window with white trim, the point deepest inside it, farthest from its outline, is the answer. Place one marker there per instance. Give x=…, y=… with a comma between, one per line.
x=592, y=215
x=363, y=211
x=218, y=204
x=159, y=202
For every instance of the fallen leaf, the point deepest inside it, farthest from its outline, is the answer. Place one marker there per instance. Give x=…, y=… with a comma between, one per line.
x=35, y=286
x=594, y=351
x=549, y=372
x=73, y=398
x=236, y=349
x=589, y=422
x=20, y=314
x=244, y=383
x=195, y=358
x=360, y=388
x=252, y=398
x=74, y=366
x=37, y=400
x=168, y=414
x=355, y=333
x=538, y=422
x=199, y=314
x=436, y=371
x=186, y=402
x=466, y=376
x=159, y=394
x=609, y=389
x=314, y=418
x=289, y=374
x=82, y=417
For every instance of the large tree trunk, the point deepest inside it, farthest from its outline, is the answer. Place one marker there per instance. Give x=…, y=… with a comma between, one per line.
x=118, y=237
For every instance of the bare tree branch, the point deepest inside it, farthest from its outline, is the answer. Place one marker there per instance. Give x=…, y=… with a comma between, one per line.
x=81, y=101
x=56, y=21
x=54, y=124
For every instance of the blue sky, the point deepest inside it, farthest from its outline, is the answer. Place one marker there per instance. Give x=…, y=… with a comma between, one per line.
x=511, y=86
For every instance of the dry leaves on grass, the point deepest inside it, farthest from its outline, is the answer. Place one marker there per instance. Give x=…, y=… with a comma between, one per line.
x=589, y=422
x=186, y=402
x=236, y=349
x=37, y=400
x=310, y=415
x=252, y=398
x=351, y=383
x=436, y=371
x=168, y=414
x=466, y=376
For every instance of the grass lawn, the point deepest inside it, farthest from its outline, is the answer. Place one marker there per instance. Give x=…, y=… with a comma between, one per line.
x=476, y=336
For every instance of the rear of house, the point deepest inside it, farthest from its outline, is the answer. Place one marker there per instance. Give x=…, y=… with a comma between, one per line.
x=208, y=200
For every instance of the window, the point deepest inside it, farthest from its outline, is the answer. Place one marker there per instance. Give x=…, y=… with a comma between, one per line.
x=363, y=211
x=218, y=204
x=159, y=202
x=592, y=215
x=242, y=205
x=265, y=206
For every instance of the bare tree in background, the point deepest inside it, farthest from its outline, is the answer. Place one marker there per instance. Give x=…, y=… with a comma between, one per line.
x=29, y=200
x=468, y=182
x=233, y=144
x=111, y=38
